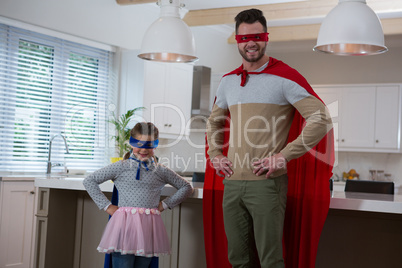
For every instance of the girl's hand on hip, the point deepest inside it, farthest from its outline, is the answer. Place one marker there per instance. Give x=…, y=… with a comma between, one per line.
x=112, y=209
x=160, y=207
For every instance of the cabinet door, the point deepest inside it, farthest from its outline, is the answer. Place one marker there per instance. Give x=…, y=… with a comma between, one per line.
x=178, y=95
x=171, y=220
x=366, y=117
x=357, y=117
x=16, y=225
x=154, y=93
x=167, y=96
x=388, y=119
x=191, y=239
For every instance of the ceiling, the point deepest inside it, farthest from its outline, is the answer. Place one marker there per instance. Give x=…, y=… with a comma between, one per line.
x=288, y=20
x=210, y=4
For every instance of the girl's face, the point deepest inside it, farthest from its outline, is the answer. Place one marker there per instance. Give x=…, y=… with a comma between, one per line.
x=143, y=154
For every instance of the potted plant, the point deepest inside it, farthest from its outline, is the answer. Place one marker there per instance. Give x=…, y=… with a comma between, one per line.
x=122, y=131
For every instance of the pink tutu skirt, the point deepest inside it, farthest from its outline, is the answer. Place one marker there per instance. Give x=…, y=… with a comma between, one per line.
x=138, y=231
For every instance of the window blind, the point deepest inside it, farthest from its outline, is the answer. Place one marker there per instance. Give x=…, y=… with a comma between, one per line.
x=50, y=86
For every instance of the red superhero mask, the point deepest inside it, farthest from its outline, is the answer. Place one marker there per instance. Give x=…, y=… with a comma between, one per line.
x=243, y=38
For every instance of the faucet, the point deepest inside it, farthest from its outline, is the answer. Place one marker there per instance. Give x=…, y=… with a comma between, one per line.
x=49, y=164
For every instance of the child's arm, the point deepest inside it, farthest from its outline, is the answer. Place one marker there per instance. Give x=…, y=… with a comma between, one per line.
x=184, y=188
x=91, y=184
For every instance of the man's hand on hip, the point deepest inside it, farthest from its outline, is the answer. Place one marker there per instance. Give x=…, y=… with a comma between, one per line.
x=269, y=165
x=222, y=164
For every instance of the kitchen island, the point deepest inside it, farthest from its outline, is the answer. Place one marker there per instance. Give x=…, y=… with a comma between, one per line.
x=362, y=230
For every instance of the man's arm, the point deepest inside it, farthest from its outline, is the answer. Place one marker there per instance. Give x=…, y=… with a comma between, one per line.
x=215, y=130
x=215, y=137
x=318, y=123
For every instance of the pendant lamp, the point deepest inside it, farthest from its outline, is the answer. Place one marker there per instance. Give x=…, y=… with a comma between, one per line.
x=351, y=29
x=168, y=39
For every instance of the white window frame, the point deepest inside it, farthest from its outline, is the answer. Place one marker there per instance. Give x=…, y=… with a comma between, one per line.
x=91, y=156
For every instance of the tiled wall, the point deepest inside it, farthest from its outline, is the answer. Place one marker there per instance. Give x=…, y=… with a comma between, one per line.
x=363, y=162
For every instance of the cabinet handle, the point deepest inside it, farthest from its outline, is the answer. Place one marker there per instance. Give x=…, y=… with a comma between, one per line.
x=32, y=192
x=377, y=141
x=168, y=125
x=343, y=140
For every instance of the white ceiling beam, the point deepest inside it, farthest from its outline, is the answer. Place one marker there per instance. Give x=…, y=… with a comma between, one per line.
x=282, y=11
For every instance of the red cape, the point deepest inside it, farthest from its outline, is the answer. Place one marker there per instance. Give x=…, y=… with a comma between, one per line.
x=308, y=191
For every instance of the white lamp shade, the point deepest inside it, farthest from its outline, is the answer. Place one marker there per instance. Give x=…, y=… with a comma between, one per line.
x=168, y=39
x=351, y=28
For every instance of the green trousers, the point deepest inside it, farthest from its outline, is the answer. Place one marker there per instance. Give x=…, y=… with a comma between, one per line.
x=254, y=213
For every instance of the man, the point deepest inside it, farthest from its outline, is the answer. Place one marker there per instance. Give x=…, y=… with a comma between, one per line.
x=264, y=98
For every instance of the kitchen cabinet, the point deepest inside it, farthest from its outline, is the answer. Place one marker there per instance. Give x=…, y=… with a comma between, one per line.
x=184, y=225
x=171, y=220
x=17, y=202
x=366, y=118
x=167, y=97
x=56, y=219
x=131, y=82
x=191, y=229
x=388, y=117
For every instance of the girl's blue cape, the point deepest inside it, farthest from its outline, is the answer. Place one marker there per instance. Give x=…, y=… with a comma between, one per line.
x=108, y=257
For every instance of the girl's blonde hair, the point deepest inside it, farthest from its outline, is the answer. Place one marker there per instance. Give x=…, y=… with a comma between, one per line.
x=143, y=128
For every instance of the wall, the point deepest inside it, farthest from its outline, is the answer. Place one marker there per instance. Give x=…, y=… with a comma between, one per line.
x=185, y=156
x=363, y=162
x=103, y=21
x=214, y=51
x=131, y=81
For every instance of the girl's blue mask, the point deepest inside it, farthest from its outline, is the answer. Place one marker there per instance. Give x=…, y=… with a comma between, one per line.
x=143, y=144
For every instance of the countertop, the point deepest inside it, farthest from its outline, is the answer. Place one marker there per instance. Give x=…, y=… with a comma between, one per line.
x=382, y=203
x=75, y=183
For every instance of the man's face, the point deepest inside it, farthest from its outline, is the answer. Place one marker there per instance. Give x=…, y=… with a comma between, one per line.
x=251, y=51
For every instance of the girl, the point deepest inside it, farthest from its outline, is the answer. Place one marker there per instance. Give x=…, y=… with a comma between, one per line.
x=135, y=232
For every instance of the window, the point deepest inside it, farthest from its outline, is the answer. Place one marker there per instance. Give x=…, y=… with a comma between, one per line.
x=50, y=86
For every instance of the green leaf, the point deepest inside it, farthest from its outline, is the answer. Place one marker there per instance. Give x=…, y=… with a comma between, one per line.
x=122, y=131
